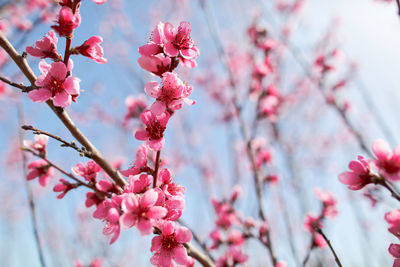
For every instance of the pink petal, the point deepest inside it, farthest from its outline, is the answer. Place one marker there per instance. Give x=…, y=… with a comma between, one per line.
x=183, y=235
x=167, y=228
x=146, y=116
x=349, y=178
x=381, y=149
x=170, y=50
x=58, y=70
x=117, y=231
x=128, y=220
x=357, y=167
x=40, y=95
x=169, y=31
x=142, y=135
x=152, y=89
x=156, y=145
x=130, y=203
x=32, y=175
x=149, y=198
x=394, y=249
x=158, y=108
x=99, y=2
x=180, y=255
x=72, y=86
x=145, y=227
x=149, y=63
x=156, y=212
x=158, y=33
x=44, y=67
x=148, y=49
x=189, y=53
x=44, y=180
x=189, y=101
x=156, y=243
x=62, y=99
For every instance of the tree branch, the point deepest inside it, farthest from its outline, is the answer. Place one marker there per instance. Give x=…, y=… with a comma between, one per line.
x=62, y=114
x=82, y=151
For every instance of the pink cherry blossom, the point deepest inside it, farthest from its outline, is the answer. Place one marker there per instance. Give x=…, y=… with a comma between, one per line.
x=179, y=42
x=109, y=211
x=311, y=224
x=358, y=176
x=45, y=48
x=328, y=201
x=141, y=211
x=55, y=84
x=216, y=237
x=387, y=162
x=91, y=48
x=168, y=246
x=138, y=183
x=67, y=21
x=41, y=169
x=154, y=131
x=232, y=257
x=157, y=39
x=226, y=215
x=39, y=143
x=64, y=187
x=89, y=172
x=235, y=238
x=393, y=217
x=171, y=95
x=140, y=162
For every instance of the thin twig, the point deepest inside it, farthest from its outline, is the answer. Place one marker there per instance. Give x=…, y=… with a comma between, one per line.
x=82, y=151
x=70, y=175
x=62, y=114
x=29, y=193
x=243, y=128
x=21, y=86
x=156, y=167
x=319, y=230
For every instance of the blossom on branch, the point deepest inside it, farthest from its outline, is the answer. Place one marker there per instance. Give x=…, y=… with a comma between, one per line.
x=55, y=84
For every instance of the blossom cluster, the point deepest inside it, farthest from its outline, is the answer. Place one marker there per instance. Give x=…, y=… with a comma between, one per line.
x=386, y=166
x=56, y=81
x=313, y=223
x=232, y=230
x=150, y=201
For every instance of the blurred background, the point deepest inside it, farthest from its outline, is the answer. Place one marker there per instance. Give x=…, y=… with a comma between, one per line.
x=204, y=148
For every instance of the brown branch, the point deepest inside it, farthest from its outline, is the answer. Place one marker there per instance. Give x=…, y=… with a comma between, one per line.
x=18, y=85
x=156, y=167
x=62, y=114
x=82, y=151
x=200, y=257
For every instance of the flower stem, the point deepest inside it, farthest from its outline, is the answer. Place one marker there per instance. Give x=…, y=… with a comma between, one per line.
x=319, y=230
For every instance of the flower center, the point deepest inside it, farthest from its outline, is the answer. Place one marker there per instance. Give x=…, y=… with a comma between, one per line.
x=56, y=86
